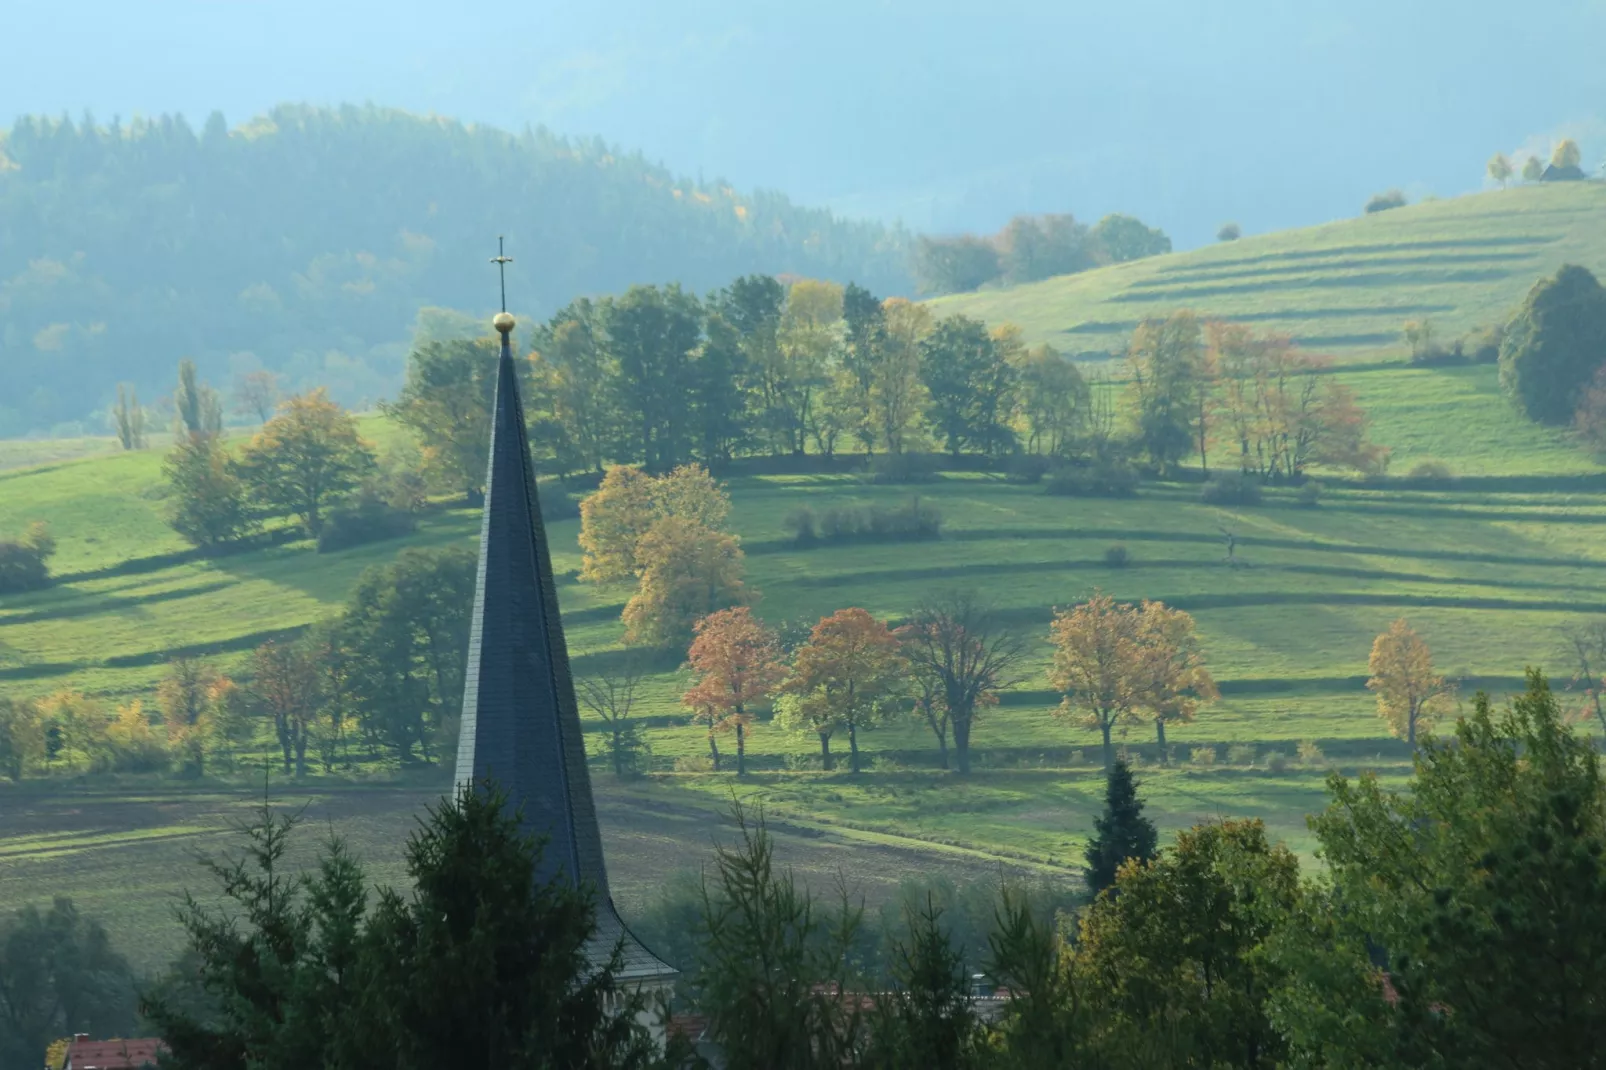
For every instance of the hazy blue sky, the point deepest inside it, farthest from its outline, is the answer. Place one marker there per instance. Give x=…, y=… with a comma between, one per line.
x=949, y=115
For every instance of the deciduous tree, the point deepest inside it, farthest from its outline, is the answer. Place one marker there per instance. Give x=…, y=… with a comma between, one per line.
x=960, y=644
x=1410, y=695
x=898, y=394
x=22, y=737
x=1052, y=402
x=652, y=336
x=257, y=394
x=1499, y=169
x=305, y=458
x=854, y=667
x=615, y=518
x=446, y=404
x=736, y=664
x=1566, y=154
x=208, y=504
x=1167, y=358
x=1173, y=958
x=687, y=571
x=971, y=386
x=128, y=418
x=59, y=975
x=192, y=697
x=1532, y=169
x=1099, y=665
x=1118, y=238
x=1478, y=889
x=284, y=686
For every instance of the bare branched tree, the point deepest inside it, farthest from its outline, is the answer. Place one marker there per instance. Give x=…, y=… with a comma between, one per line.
x=1588, y=645
x=962, y=646
x=612, y=695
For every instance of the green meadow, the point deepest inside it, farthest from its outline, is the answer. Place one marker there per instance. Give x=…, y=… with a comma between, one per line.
x=1490, y=567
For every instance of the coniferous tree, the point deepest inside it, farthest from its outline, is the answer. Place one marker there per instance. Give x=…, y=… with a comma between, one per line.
x=1120, y=833
x=928, y=1021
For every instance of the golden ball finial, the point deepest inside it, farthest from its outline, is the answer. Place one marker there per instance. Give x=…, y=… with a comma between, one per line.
x=503, y=322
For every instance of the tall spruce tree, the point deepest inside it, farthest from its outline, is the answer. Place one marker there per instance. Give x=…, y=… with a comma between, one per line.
x=1120, y=833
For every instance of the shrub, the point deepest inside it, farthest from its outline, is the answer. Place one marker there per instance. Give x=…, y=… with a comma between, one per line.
x=1382, y=202
x=799, y=524
x=897, y=469
x=25, y=562
x=368, y=517
x=1104, y=478
x=1308, y=495
x=1277, y=762
x=1229, y=232
x=1242, y=754
x=1027, y=468
x=1231, y=488
x=1203, y=756
x=1116, y=556
x=874, y=523
x=694, y=763
x=1310, y=753
x=1429, y=469
x=1483, y=346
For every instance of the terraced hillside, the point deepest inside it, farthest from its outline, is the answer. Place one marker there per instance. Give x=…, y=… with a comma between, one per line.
x=1343, y=288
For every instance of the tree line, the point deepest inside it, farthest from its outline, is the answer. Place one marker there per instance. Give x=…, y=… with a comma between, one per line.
x=1029, y=248
x=1452, y=922
x=125, y=244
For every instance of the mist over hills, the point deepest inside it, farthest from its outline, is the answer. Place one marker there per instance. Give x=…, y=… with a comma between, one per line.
x=308, y=240
x=946, y=113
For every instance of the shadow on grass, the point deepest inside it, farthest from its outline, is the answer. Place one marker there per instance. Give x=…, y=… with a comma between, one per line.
x=1320, y=253
x=89, y=604
x=1354, y=280
x=1208, y=273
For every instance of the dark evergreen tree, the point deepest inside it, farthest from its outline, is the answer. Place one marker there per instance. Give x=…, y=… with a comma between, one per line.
x=1120, y=833
x=484, y=966
x=927, y=1022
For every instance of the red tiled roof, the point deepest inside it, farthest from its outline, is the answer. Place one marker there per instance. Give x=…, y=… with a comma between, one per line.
x=87, y=1054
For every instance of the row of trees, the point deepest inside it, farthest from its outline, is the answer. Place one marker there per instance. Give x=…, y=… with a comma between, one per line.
x=1274, y=408
x=384, y=678
x=1029, y=248
x=1453, y=923
x=658, y=377
x=1565, y=161
x=306, y=461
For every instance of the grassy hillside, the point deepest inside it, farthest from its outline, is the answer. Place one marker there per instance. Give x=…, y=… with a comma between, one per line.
x=1343, y=288
x=1489, y=568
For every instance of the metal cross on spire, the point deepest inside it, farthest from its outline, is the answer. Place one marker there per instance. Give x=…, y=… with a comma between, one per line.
x=502, y=260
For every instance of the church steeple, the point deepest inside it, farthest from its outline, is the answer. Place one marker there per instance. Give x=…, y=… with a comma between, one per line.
x=521, y=724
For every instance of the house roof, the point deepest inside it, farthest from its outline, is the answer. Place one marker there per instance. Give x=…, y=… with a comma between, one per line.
x=86, y=1054
x=521, y=724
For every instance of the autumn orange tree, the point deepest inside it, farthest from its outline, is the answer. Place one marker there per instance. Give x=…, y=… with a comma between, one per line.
x=1410, y=695
x=736, y=664
x=848, y=674
x=1116, y=662
x=1098, y=665
x=961, y=647
x=305, y=458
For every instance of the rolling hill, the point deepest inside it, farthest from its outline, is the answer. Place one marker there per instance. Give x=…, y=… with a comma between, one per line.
x=1344, y=288
x=1489, y=566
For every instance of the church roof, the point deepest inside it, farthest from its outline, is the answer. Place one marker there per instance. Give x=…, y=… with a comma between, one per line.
x=521, y=725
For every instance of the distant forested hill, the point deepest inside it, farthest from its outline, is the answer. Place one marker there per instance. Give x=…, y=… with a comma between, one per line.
x=307, y=241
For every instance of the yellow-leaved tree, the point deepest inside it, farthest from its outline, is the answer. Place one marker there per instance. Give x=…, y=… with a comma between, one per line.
x=615, y=518
x=687, y=571
x=1116, y=663
x=1410, y=695
x=306, y=458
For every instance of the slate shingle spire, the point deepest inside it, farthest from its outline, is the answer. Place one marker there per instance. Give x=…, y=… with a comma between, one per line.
x=521, y=725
